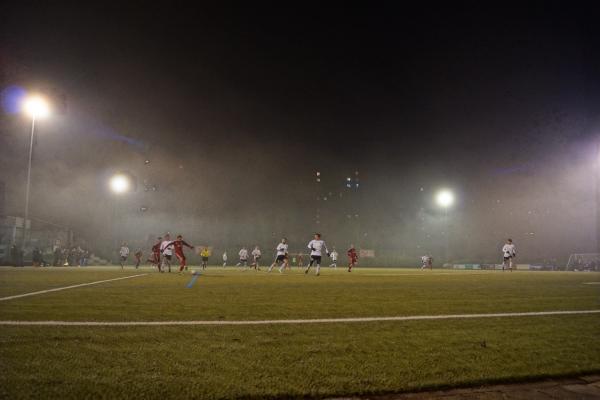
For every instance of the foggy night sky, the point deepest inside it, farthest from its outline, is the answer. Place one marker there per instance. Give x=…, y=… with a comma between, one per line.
x=237, y=108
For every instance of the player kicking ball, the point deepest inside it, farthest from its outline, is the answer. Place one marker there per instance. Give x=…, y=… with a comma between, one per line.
x=509, y=252
x=316, y=247
x=178, y=247
x=282, y=256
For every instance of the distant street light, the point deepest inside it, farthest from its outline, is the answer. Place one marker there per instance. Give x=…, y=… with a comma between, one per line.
x=120, y=183
x=35, y=107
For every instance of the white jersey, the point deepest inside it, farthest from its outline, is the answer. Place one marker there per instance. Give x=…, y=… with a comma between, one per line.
x=224, y=256
x=425, y=260
x=256, y=253
x=282, y=249
x=316, y=247
x=166, y=248
x=124, y=252
x=509, y=250
x=243, y=254
x=334, y=255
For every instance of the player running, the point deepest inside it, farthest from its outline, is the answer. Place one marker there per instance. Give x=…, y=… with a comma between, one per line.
x=178, y=247
x=205, y=253
x=316, y=247
x=155, y=259
x=426, y=262
x=256, y=255
x=352, y=257
x=509, y=252
x=243, y=257
x=138, y=258
x=282, y=256
x=166, y=249
x=224, y=259
x=334, y=257
x=123, y=254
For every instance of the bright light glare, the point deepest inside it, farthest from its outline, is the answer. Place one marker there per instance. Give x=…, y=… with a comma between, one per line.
x=119, y=183
x=445, y=198
x=36, y=107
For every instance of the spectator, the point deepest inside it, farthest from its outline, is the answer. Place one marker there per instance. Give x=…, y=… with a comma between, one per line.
x=14, y=255
x=36, y=256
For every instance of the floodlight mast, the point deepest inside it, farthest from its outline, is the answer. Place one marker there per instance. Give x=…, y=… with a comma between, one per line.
x=445, y=199
x=35, y=107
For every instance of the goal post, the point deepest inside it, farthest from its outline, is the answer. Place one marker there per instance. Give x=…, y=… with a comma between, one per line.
x=584, y=262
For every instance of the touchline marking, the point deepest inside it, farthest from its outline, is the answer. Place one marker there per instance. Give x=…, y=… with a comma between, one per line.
x=295, y=321
x=67, y=287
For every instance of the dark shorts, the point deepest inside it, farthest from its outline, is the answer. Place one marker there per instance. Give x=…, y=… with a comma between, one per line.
x=281, y=257
x=316, y=258
x=204, y=259
x=123, y=258
x=507, y=258
x=168, y=256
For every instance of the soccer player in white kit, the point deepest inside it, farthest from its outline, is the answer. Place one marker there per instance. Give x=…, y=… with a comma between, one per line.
x=166, y=249
x=316, y=247
x=243, y=257
x=282, y=256
x=224, y=259
x=123, y=253
x=334, y=256
x=509, y=252
x=256, y=254
x=427, y=262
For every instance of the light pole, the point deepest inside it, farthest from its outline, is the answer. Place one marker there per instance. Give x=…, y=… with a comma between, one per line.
x=445, y=199
x=36, y=107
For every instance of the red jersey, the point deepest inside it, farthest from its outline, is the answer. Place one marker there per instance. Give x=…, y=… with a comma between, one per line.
x=156, y=248
x=352, y=254
x=178, y=246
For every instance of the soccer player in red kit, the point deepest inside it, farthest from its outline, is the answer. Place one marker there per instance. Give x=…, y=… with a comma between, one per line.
x=353, y=257
x=178, y=247
x=138, y=258
x=155, y=259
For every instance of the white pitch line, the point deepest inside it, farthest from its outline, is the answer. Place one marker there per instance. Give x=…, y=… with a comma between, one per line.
x=295, y=321
x=67, y=287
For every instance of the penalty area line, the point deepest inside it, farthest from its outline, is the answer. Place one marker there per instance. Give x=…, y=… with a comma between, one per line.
x=68, y=287
x=296, y=321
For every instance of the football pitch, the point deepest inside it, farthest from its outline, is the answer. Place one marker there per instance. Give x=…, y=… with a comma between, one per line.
x=107, y=333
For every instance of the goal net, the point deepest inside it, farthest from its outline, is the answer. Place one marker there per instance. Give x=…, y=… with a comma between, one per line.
x=584, y=262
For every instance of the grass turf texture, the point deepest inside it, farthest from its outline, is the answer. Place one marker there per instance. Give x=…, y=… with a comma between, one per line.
x=290, y=360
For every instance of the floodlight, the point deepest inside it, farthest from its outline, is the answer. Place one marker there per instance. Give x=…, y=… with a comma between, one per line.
x=36, y=107
x=444, y=198
x=119, y=183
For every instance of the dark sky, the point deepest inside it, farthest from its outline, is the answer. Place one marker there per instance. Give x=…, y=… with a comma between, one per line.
x=236, y=108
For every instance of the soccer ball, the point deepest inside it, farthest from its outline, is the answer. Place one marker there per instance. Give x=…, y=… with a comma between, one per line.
x=193, y=272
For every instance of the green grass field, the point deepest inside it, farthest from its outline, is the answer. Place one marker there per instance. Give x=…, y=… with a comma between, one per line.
x=289, y=360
